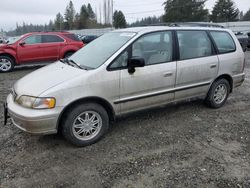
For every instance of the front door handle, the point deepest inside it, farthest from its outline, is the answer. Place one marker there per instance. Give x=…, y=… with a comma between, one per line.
x=167, y=74
x=213, y=66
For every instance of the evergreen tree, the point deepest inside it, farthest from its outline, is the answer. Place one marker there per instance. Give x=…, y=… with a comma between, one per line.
x=147, y=21
x=59, y=22
x=246, y=17
x=51, y=26
x=185, y=11
x=90, y=12
x=77, y=21
x=84, y=16
x=69, y=16
x=119, y=20
x=241, y=15
x=224, y=11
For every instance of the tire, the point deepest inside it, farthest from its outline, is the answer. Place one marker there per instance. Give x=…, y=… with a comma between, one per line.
x=218, y=93
x=6, y=64
x=68, y=54
x=79, y=123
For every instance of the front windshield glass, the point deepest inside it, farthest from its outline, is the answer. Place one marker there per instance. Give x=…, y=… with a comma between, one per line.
x=97, y=52
x=12, y=40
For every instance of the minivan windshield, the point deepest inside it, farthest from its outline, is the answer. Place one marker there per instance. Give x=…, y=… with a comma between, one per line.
x=97, y=52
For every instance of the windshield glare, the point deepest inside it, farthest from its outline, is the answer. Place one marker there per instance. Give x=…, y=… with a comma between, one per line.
x=97, y=52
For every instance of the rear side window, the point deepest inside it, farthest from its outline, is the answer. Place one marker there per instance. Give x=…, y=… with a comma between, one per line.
x=72, y=37
x=194, y=44
x=223, y=41
x=51, y=38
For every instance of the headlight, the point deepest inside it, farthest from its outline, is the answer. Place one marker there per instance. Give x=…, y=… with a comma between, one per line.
x=36, y=102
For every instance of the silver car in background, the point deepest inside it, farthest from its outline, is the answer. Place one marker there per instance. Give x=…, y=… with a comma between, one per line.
x=126, y=71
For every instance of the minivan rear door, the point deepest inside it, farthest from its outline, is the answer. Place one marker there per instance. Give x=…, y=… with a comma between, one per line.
x=51, y=45
x=197, y=66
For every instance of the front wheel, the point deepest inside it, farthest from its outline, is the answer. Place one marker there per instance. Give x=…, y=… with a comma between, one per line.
x=85, y=124
x=218, y=93
x=6, y=64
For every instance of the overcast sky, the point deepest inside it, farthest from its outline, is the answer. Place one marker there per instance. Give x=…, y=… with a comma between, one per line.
x=41, y=11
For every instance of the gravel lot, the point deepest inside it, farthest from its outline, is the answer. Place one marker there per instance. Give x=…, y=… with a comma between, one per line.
x=183, y=145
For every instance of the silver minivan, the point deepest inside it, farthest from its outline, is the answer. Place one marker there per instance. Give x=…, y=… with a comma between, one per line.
x=125, y=71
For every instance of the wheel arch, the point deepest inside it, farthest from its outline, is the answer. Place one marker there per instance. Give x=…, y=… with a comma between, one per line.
x=226, y=77
x=10, y=56
x=104, y=103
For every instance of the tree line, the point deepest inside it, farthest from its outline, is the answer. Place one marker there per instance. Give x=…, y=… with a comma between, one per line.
x=195, y=11
x=175, y=11
x=71, y=19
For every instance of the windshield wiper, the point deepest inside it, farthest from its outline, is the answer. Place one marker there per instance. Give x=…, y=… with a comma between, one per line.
x=76, y=64
x=72, y=63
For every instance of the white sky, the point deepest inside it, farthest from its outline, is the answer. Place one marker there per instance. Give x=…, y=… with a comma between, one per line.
x=41, y=11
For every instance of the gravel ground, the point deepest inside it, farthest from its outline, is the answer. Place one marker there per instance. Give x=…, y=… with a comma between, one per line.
x=183, y=145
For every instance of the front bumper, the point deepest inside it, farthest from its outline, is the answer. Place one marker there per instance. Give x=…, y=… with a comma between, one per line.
x=31, y=120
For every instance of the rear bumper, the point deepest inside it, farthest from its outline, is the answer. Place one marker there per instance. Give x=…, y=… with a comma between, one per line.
x=33, y=121
x=238, y=79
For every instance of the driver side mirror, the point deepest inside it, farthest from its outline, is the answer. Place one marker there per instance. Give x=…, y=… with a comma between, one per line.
x=22, y=43
x=135, y=62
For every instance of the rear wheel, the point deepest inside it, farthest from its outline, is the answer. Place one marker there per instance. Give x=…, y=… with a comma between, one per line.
x=85, y=124
x=6, y=64
x=218, y=93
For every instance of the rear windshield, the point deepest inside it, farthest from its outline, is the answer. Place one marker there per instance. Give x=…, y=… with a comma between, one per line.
x=72, y=36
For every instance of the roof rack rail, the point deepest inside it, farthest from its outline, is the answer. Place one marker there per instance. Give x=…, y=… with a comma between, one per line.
x=187, y=24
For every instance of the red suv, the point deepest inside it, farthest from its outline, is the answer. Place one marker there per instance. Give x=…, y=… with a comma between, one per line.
x=37, y=47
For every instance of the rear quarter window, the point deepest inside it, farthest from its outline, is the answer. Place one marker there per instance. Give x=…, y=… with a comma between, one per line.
x=223, y=41
x=72, y=37
x=51, y=39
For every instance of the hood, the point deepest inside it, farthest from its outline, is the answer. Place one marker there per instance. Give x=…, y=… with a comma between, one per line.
x=37, y=82
x=6, y=46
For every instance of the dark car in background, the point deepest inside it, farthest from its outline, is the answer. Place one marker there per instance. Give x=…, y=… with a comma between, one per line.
x=248, y=44
x=87, y=38
x=37, y=47
x=244, y=40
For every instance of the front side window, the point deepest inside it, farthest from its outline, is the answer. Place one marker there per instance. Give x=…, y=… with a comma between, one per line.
x=121, y=61
x=223, y=41
x=194, y=44
x=51, y=39
x=34, y=39
x=100, y=50
x=154, y=48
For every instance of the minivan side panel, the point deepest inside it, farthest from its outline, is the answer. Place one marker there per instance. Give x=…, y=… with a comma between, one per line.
x=149, y=86
x=232, y=63
x=198, y=63
x=196, y=75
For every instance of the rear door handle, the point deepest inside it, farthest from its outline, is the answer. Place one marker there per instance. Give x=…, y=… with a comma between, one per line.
x=167, y=74
x=213, y=66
